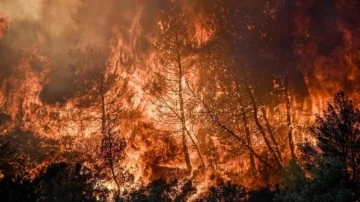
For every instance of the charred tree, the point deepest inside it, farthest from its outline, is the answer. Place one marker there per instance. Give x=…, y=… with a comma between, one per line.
x=103, y=91
x=289, y=120
x=170, y=86
x=255, y=109
x=111, y=151
x=248, y=139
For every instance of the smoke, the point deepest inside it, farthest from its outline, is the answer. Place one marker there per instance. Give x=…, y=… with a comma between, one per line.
x=323, y=35
x=55, y=28
x=316, y=43
x=3, y=27
x=327, y=41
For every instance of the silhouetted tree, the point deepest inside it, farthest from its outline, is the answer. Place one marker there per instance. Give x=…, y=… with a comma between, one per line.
x=327, y=182
x=161, y=190
x=263, y=195
x=111, y=151
x=12, y=187
x=67, y=182
x=337, y=133
x=171, y=75
x=225, y=192
x=330, y=168
x=104, y=91
x=17, y=189
x=24, y=151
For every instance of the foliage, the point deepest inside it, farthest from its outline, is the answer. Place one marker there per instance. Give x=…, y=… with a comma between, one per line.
x=330, y=171
x=338, y=133
x=59, y=182
x=225, y=192
x=160, y=190
x=22, y=151
x=5, y=152
x=17, y=189
x=111, y=149
x=263, y=195
x=327, y=183
x=66, y=182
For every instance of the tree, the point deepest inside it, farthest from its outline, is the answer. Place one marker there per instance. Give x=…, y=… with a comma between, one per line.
x=224, y=192
x=104, y=91
x=100, y=86
x=174, y=99
x=337, y=133
x=283, y=93
x=329, y=170
x=17, y=189
x=327, y=182
x=233, y=105
x=66, y=182
x=245, y=48
x=161, y=190
x=111, y=151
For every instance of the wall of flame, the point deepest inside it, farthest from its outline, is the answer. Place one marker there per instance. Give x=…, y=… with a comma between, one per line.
x=39, y=41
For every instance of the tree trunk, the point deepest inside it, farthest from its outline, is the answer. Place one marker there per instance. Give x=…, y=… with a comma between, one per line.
x=289, y=121
x=247, y=132
x=197, y=149
x=111, y=163
x=103, y=108
x=261, y=129
x=182, y=112
x=248, y=139
x=104, y=132
x=233, y=134
x=354, y=168
x=183, y=130
x=271, y=134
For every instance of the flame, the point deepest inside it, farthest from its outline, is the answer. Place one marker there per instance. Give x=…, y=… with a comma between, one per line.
x=3, y=27
x=327, y=69
x=130, y=59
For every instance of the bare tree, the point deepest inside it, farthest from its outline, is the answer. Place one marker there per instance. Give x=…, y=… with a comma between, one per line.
x=104, y=92
x=111, y=151
x=266, y=132
x=285, y=96
x=170, y=87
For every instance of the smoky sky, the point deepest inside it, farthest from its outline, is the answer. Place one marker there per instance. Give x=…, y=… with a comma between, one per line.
x=56, y=28
x=263, y=35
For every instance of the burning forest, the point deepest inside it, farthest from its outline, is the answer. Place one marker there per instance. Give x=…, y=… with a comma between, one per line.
x=179, y=100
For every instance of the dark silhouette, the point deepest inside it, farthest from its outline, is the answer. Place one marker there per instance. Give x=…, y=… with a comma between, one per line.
x=329, y=170
x=161, y=190
x=225, y=192
x=67, y=182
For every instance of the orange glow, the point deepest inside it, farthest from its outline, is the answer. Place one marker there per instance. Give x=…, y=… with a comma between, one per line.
x=98, y=73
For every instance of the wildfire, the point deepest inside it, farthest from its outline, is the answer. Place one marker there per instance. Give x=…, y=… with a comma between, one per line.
x=187, y=96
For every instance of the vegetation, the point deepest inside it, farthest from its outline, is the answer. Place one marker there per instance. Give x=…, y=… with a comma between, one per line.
x=180, y=100
x=325, y=171
x=328, y=170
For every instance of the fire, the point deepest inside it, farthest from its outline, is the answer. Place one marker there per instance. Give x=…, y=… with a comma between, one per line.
x=3, y=27
x=327, y=69
x=183, y=84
